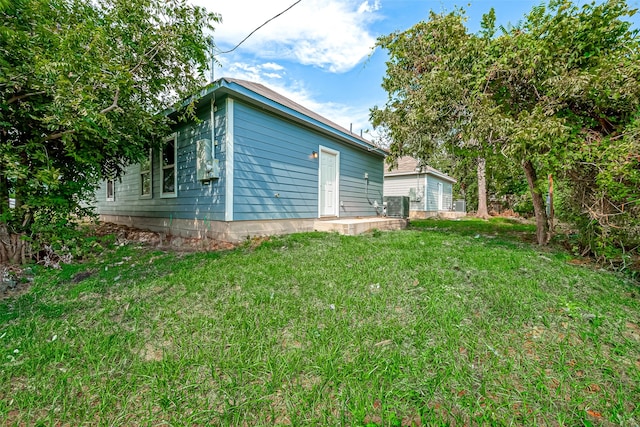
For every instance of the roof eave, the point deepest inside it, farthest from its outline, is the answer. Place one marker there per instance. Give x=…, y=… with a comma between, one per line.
x=222, y=87
x=239, y=91
x=444, y=177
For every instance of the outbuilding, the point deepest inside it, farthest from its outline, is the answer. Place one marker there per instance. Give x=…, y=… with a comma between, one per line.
x=430, y=191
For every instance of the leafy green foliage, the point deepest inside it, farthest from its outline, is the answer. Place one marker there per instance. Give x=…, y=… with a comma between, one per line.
x=81, y=88
x=558, y=93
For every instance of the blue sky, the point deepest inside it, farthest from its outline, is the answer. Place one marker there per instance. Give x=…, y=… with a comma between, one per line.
x=319, y=53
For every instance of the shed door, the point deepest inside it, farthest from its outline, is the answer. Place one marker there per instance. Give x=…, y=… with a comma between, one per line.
x=440, y=196
x=328, y=183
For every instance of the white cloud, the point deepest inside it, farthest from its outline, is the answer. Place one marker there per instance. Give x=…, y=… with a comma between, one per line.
x=329, y=34
x=366, y=7
x=272, y=66
x=253, y=72
x=347, y=116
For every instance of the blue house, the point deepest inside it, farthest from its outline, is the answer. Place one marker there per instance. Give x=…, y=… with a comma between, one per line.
x=255, y=163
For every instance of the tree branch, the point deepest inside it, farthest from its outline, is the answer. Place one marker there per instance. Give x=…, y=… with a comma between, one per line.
x=153, y=52
x=26, y=95
x=58, y=135
x=113, y=105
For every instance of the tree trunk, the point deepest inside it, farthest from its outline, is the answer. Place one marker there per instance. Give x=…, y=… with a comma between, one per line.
x=551, y=214
x=542, y=230
x=482, y=189
x=4, y=194
x=13, y=249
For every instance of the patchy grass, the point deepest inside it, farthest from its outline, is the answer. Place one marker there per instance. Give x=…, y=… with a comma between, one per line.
x=470, y=226
x=447, y=324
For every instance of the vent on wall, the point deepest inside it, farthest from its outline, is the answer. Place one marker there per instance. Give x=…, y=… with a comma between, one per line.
x=397, y=206
x=415, y=194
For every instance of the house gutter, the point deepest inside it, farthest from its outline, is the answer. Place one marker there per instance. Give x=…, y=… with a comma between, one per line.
x=438, y=175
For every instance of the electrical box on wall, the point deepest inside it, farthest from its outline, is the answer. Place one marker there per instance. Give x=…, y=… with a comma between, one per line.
x=207, y=167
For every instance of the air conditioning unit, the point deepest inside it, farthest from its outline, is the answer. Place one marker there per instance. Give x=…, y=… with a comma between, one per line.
x=460, y=206
x=397, y=206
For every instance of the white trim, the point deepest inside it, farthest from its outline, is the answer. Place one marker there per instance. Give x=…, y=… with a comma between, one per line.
x=425, y=192
x=173, y=194
x=327, y=150
x=111, y=198
x=228, y=196
x=150, y=172
x=437, y=175
x=212, y=105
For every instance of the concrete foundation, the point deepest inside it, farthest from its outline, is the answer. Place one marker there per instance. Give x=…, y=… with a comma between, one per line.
x=237, y=231
x=415, y=214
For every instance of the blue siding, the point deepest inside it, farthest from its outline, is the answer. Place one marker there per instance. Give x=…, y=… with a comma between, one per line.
x=276, y=177
x=195, y=200
x=432, y=193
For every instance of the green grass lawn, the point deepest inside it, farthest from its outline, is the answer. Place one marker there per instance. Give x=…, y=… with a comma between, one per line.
x=447, y=323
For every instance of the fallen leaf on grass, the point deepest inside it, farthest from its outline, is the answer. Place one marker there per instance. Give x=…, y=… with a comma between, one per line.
x=594, y=414
x=593, y=388
x=381, y=343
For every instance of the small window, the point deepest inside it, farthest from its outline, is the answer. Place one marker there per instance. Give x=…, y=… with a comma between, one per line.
x=169, y=169
x=111, y=190
x=145, y=177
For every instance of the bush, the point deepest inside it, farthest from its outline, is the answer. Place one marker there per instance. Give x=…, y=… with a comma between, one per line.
x=523, y=205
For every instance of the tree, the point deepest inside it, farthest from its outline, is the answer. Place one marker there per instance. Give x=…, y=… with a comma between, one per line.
x=534, y=93
x=567, y=78
x=81, y=88
x=482, y=188
x=431, y=76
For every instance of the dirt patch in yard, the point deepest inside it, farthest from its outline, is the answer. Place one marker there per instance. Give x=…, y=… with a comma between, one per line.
x=16, y=280
x=125, y=235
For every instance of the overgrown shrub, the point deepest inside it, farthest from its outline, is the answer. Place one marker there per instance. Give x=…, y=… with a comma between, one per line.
x=602, y=200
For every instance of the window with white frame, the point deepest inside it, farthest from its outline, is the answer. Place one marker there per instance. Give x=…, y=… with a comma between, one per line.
x=146, y=185
x=168, y=173
x=111, y=190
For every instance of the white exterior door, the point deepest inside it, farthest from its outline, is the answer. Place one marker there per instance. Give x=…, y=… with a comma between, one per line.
x=328, y=182
x=440, y=196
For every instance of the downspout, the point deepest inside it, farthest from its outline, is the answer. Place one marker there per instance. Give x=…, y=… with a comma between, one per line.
x=213, y=128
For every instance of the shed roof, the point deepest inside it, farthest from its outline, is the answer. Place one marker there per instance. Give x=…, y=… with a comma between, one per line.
x=409, y=166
